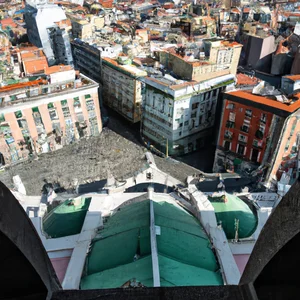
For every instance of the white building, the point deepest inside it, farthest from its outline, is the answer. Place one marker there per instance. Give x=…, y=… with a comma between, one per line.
x=41, y=18
x=180, y=115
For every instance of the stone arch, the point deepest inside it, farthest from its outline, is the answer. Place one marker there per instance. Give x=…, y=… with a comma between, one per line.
x=276, y=246
x=26, y=271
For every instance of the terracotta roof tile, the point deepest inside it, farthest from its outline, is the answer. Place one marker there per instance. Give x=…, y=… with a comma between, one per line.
x=266, y=101
x=243, y=79
x=293, y=77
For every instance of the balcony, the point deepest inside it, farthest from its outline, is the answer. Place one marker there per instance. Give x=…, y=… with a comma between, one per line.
x=245, y=129
x=230, y=124
x=228, y=136
x=242, y=139
x=257, y=144
x=259, y=134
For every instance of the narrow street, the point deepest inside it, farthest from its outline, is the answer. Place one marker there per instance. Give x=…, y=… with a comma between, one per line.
x=202, y=159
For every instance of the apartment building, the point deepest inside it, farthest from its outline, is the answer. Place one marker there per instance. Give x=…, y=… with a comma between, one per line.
x=87, y=59
x=180, y=116
x=47, y=112
x=217, y=58
x=47, y=28
x=259, y=134
x=122, y=88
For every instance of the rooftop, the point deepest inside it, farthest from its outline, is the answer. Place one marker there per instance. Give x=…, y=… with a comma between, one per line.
x=293, y=77
x=229, y=208
x=264, y=102
x=243, y=79
x=130, y=69
x=18, y=93
x=121, y=252
x=67, y=218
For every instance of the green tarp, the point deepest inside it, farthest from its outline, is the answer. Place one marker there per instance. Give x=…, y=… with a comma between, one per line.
x=122, y=250
x=235, y=209
x=66, y=219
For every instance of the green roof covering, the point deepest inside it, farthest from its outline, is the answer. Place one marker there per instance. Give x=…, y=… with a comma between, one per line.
x=234, y=209
x=184, y=251
x=66, y=219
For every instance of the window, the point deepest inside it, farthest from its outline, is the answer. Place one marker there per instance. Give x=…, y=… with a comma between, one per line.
x=207, y=95
x=263, y=118
x=77, y=105
x=180, y=125
x=50, y=105
x=195, y=105
x=241, y=149
x=227, y=145
x=248, y=113
x=232, y=117
x=52, y=111
x=230, y=106
x=88, y=96
x=257, y=143
x=18, y=114
x=186, y=123
x=259, y=134
x=262, y=128
x=254, y=155
x=243, y=138
x=229, y=124
x=193, y=115
x=2, y=118
x=228, y=134
x=53, y=114
x=245, y=128
x=287, y=146
x=215, y=92
x=64, y=103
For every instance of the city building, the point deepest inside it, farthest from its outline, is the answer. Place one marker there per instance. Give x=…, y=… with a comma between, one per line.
x=87, y=59
x=180, y=116
x=5, y=56
x=122, y=87
x=258, y=49
x=44, y=113
x=215, y=58
x=259, y=135
x=47, y=28
x=168, y=241
x=180, y=107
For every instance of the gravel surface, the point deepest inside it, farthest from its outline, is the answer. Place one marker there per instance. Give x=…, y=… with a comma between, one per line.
x=89, y=160
x=85, y=161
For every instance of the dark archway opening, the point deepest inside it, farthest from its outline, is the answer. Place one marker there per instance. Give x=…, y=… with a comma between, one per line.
x=279, y=280
x=18, y=278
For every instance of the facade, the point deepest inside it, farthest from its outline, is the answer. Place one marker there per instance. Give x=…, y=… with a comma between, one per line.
x=148, y=250
x=180, y=116
x=45, y=30
x=122, y=88
x=43, y=115
x=87, y=59
x=258, y=49
x=258, y=131
x=221, y=58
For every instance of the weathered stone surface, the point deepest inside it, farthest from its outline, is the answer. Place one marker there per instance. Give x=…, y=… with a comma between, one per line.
x=282, y=226
x=26, y=271
x=89, y=160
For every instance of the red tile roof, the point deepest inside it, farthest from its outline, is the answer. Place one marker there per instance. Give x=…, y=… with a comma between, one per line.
x=243, y=79
x=8, y=22
x=266, y=101
x=22, y=85
x=293, y=77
